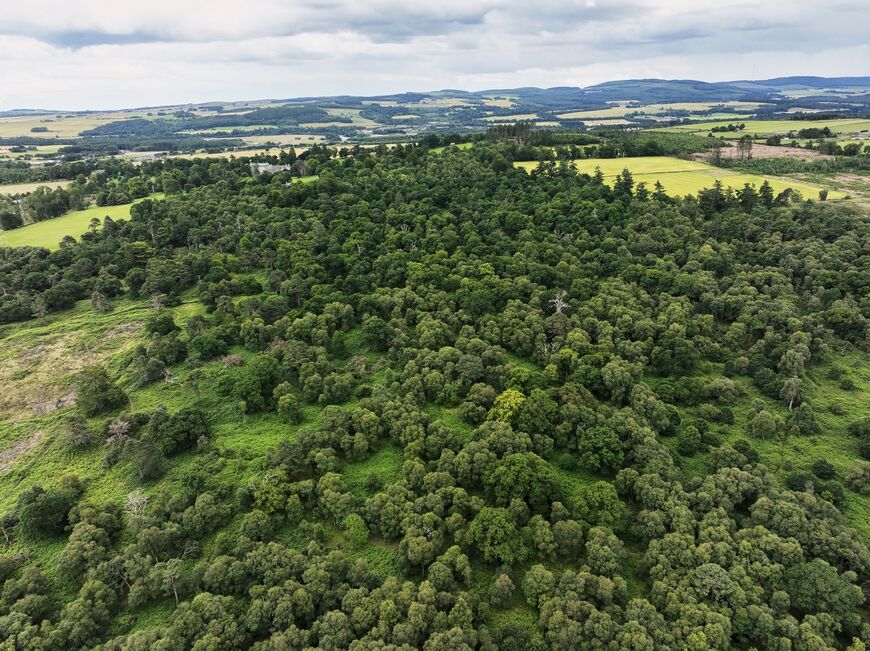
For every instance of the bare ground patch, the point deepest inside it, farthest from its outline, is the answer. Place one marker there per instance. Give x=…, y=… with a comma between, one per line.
x=767, y=151
x=37, y=379
x=11, y=453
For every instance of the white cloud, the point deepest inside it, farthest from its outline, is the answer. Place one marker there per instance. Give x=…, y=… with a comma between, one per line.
x=85, y=54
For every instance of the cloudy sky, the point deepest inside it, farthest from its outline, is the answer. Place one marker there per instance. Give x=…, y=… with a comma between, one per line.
x=76, y=54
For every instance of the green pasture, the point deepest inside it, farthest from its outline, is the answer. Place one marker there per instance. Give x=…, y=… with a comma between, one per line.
x=50, y=232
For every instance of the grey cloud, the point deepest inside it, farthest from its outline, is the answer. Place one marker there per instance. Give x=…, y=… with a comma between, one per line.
x=79, y=39
x=222, y=49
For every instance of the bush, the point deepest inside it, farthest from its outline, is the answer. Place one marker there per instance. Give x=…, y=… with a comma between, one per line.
x=46, y=511
x=289, y=409
x=257, y=525
x=858, y=479
x=79, y=434
x=161, y=323
x=823, y=469
x=96, y=393
x=690, y=441
x=355, y=530
x=180, y=431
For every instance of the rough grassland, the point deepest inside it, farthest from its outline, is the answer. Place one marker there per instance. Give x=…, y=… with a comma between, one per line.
x=681, y=177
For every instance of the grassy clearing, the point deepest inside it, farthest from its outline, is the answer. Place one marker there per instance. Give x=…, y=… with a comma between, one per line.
x=453, y=420
x=50, y=232
x=385, y=462
x=681, y=177
x=27, y=188
x=461, y=145
x=834, y=408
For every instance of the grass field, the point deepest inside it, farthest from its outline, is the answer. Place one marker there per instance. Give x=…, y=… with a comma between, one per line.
x=50, y=232
x=511, y=118
x=238, y=153
x=40, y=150
x=284, y=139
x=59, y=125
x=681, y=177
x=612, y=112
x=498, y=103
x=26, y=188
x=225, y=130
x=763, y=127
x=656, y=109
x=461, y=145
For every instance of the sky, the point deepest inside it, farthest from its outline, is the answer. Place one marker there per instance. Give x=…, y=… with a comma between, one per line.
x=97, y=54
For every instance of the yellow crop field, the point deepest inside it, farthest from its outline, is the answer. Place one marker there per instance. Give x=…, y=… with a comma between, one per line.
x=682, y=177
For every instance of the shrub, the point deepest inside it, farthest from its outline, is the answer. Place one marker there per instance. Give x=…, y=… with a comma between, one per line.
x=46, y=511
x=96, y=393
x=823, y=469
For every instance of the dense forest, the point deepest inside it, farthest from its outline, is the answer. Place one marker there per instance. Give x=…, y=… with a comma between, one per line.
x=512, y=410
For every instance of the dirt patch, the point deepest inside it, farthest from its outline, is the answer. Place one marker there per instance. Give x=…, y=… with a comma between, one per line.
x=49, y=406
x=846, y=179
x=125, y=328
x=37, y=379
x=11, y=454
x=766, y=151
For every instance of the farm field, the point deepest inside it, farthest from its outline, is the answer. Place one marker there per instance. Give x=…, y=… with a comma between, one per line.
x=284, y=139
x=765, y=127
x=58, y=125
x=681, y=177
x=649, y=110
x=50, y=232
x=39, y=150
x=511, y=118
x=26, y=188
x=226, y=130
x=237, y=153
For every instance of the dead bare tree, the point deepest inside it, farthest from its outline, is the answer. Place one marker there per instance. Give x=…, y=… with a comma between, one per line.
x=232, y=360
x=119, y=431
x=135, y=504
x=558, y=302
x=99, y=302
